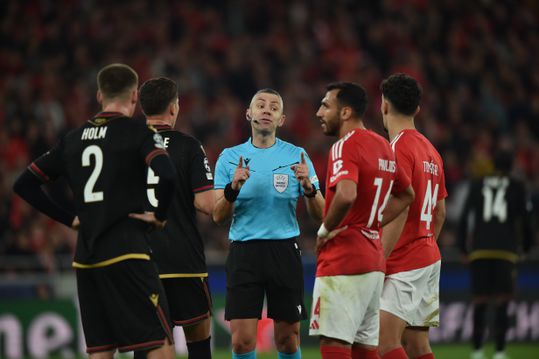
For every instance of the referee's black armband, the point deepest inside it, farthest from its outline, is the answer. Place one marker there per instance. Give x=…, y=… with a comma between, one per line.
x=28, y=187
x=163, y=167
x=231, y=194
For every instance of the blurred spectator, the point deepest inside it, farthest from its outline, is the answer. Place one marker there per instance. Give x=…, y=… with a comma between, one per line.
x=477, y=62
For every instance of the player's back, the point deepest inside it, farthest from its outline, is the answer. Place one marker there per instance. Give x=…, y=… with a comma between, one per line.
x=417, y=247
x=179, y=249
x=365, y=158
x=497, y=203
x=104, y=163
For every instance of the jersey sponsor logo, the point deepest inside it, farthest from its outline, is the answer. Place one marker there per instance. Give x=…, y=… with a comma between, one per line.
x=342, y=173
x=159, y=142
x=280, y=182
x=94, y=133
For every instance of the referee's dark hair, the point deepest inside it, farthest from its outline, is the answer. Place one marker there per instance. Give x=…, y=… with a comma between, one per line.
x=156, y=95
x=116, y=80
x=350, y=95
x=403, y=91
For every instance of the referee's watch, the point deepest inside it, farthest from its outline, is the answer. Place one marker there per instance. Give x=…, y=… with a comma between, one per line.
x=311, y=194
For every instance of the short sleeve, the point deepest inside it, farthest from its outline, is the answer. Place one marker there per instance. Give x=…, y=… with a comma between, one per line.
x=152, y=146
x=201, y=175
x=222, y=176
x=49, y=166
x=343, y=162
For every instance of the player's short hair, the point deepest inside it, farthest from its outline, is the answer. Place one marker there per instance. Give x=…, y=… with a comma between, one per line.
x=271, y=91
x=503, y=161
x=403, y=91
x=156, y=95
x=351, y=95
x=116, y=80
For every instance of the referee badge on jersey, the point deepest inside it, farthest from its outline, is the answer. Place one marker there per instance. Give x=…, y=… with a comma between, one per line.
x=280, y=182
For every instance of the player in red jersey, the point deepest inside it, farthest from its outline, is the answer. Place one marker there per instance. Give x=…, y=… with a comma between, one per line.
x=362, y=180
x=410, y=303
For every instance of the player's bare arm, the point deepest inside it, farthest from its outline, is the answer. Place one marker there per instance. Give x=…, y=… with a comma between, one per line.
x=315, y=204
x=345, y=196
x=205, y=202
x=392, y=232
x=396, y=204
x=439, y=217
x=224, y=199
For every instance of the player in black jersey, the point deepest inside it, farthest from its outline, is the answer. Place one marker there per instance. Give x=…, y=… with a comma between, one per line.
x=121, y=298
x=501, y=215
x=178, y=249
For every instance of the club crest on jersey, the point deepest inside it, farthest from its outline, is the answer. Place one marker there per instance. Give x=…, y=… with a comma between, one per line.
x=280, y=182
x=159, y=143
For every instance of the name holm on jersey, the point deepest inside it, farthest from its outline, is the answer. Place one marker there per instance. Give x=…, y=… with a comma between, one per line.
x=94, y=133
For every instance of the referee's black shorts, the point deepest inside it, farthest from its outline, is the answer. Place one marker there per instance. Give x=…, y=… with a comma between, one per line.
x=493, y=276
x=270, y=267
x=123, y=306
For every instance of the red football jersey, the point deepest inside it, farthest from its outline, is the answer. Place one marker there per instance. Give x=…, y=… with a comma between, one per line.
x=417, y=157
x=367, y=159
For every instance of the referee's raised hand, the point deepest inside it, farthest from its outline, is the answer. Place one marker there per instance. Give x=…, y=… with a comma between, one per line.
x=240, y=175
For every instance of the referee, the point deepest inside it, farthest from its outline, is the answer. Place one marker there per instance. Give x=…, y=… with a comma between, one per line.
x=257, y=185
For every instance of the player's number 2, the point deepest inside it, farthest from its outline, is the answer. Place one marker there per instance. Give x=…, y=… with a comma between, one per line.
x=92, y=151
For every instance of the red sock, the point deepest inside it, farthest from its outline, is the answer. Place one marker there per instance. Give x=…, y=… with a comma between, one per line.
x=397, y=353
x=426, y=356
x=330, y=352
x=363, y=353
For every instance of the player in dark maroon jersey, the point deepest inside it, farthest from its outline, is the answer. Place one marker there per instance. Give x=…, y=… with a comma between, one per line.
x=178, y=249
x=122, y=302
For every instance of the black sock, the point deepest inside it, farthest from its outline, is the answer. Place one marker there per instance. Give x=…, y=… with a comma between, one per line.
x=200, y=350
x=140, y=354
x=502, y=324
x=479, y=313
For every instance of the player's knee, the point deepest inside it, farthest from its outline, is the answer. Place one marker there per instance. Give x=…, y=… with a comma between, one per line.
x=243, y=343
x=287, y=343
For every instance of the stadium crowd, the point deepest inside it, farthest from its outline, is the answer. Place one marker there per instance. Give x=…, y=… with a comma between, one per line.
x=475, y=60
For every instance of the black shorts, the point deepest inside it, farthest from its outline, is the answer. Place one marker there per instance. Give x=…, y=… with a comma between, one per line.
x=492, y=276
x=123, y=306
x=270, y=267
x=189, y=299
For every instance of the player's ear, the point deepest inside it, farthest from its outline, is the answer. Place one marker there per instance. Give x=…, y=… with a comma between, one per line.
x=385, y=106
x=281, y=121
x=99, y=97
x=134, y=95
x=417, y=110
x=248, y=114
x=346, y=113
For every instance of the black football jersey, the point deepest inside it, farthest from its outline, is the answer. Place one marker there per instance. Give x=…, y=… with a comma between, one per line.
x=104, y=162
x=178, y=249
x=501, y=216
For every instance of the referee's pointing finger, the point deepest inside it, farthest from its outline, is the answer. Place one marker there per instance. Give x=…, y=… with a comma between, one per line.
x=240, y=164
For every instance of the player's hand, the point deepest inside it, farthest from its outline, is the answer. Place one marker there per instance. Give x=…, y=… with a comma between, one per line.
x=321, y=242
x=148, y=217
x=301, y=171
x=240, y=175
x=76, y=223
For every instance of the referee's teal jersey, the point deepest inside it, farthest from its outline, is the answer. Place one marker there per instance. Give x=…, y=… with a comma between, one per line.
x=266, y=205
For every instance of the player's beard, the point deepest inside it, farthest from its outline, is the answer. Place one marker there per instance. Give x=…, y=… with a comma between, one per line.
x=332, y=126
